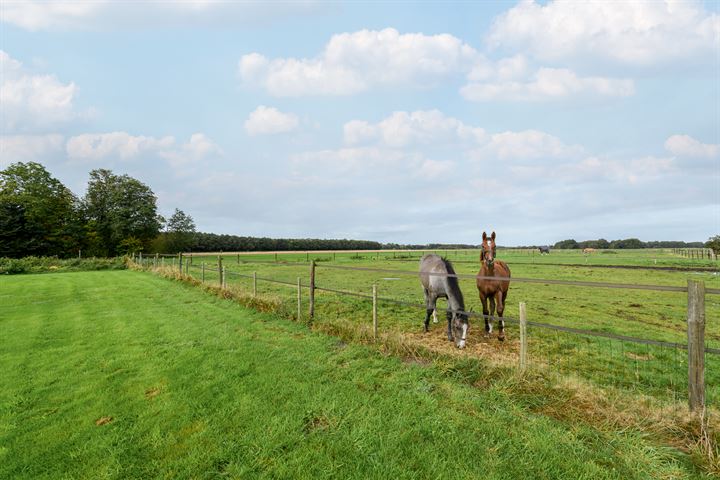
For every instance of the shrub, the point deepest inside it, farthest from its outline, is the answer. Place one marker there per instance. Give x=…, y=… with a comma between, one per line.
x=13, y=266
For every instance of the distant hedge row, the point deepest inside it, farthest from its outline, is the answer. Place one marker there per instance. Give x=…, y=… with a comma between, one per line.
x=12, y=266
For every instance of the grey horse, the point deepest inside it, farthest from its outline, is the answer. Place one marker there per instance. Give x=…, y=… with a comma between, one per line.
x=441, y=286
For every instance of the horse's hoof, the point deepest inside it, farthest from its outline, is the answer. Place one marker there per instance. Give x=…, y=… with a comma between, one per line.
x=501, y=338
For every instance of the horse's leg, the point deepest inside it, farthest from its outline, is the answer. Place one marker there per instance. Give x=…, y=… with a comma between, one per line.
x=449, y=322
x=430, y=301
x=491, y=298
x=500, y=309
x=435, y=320
x=488, y=325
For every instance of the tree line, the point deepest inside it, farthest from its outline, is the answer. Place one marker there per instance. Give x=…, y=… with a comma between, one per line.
x=39, y=216
x=626, y=244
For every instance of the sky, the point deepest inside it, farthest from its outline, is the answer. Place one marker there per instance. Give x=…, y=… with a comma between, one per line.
x=399, y=122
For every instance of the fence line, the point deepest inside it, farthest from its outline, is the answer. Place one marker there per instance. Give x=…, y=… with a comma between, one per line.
x=576, y=331
x=663, y=288
x=549, y=326
x=696, y=346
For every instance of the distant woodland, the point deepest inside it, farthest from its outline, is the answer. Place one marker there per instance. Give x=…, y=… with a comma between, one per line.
x=39, y=216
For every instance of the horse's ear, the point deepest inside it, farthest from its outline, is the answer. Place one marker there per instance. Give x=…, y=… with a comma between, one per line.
x=484, y=237
x=493, y=236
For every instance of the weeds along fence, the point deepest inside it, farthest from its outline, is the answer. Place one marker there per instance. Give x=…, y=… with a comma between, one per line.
x=377, y=301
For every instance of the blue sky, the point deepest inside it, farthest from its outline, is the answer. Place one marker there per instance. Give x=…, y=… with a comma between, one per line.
x=409, y=122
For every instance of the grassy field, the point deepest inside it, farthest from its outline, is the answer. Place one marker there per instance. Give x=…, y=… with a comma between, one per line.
x=128, y=375
x=653, y=315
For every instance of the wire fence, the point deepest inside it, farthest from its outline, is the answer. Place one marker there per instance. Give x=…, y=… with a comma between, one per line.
x=647, y=365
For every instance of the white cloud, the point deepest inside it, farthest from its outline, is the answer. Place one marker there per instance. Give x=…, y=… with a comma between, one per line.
x=687, y=146
x=638, y=32
x=23, y=148
x=197, y=149
x=401, y=129
x=94, y=146
x=268, y=120
x=37, y=15
x=355, y=62
x=432, y=169
x=123, y=146
x=526, y=145
x=33, y=102
x=545, y=84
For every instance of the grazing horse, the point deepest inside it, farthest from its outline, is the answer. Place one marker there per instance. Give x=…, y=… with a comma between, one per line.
x=588, y=250
x=491, y=288
x=433, y=271
x=545, y=250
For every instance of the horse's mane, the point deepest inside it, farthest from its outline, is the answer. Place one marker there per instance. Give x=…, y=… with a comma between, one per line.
x=453, y=282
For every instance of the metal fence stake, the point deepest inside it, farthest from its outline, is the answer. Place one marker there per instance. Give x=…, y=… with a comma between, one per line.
x=523, y=337
x=299, y=299
x=696, y=344
x=374, y=313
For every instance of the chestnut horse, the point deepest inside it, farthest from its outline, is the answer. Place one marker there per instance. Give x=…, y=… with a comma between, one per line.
x=491, y=288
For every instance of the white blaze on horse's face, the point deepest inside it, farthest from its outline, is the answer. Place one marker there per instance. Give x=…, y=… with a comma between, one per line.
x=460, y=331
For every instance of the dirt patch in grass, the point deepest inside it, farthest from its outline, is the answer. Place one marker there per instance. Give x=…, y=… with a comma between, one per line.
x=314, y=422
x=103, y=421
x=478, y=345
x=152, y=393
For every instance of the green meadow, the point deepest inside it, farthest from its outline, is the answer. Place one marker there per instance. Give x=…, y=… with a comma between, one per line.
x=654, y=315
x=125, y=374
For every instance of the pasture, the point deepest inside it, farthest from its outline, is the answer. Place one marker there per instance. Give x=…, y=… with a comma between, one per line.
x=122, y=374
x=657, y=316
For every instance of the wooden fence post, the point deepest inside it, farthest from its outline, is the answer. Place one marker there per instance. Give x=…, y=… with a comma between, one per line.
x=375, y=318
x=223, y=281
x=202, y=269
x=254, y=284
x=523, y=337
x=312, y=290
x=696, y=344
x=299, y=299
x=220, y=271
x=238, y=259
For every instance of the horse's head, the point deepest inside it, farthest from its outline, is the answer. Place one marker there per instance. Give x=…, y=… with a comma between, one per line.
x=460, y=327
x=487, y=255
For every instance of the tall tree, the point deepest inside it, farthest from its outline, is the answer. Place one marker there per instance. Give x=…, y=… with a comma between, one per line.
x=180, y=232
x=38, y=214
x=120, y=208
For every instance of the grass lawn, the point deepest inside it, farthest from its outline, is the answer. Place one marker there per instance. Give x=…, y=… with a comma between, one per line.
x=123, y=374
x=653, y=315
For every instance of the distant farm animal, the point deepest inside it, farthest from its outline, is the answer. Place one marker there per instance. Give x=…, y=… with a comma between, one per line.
x=544, y=250
x=493, y=290
x=433, y=271
x=588, y=250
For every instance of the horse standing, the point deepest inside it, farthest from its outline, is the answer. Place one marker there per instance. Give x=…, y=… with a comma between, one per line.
x=433, y=271
x=492, y=289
